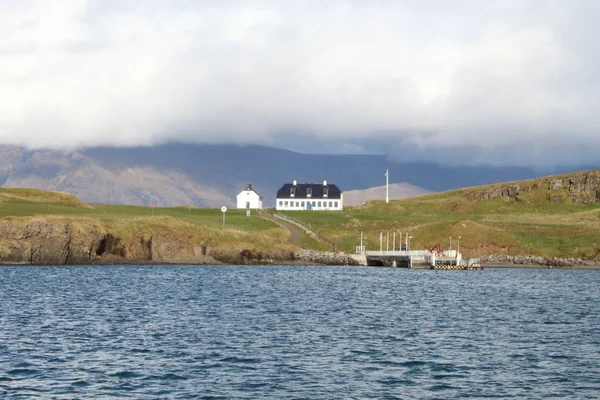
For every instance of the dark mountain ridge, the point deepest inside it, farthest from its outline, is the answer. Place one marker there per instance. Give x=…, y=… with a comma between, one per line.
x=212, y=175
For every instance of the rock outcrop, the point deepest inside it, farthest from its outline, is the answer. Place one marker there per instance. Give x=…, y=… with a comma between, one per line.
x=329, y=258
x=577, y=188
x=169, y=245
x=532, y=260
x=508, y=192
x=50, y=241
x=39, y=241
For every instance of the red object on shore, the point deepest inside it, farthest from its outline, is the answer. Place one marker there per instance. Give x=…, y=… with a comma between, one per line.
x=437, y=247
x=153, y=206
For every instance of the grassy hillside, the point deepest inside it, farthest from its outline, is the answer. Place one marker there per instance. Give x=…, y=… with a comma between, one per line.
x=12, y=198
x=557, y=216
x=397, y=191
x=200, y=225
x=553, y=216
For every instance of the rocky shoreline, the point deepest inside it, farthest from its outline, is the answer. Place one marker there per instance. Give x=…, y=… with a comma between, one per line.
x=532, y=261
x=313, y=257
x=42, y=241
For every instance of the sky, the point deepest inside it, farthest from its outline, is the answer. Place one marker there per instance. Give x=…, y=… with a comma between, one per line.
x=510, y=82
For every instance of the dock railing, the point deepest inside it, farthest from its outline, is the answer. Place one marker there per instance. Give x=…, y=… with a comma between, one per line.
x=399, y=253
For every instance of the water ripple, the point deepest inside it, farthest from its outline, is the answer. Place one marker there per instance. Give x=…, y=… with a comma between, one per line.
x=186, y=332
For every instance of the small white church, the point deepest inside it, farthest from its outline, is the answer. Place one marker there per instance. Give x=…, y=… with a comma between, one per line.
x=249, y=199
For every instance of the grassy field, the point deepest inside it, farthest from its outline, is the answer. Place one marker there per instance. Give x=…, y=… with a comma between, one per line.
x=203, y=226
x=539, y=219
x=36, y=196
x=530, y=224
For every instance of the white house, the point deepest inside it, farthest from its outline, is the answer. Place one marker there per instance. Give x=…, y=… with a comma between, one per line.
x=249, y=199
x=309, y=196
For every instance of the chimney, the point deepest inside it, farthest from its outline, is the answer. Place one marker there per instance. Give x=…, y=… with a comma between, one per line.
x=295, y=183
x=324, y=183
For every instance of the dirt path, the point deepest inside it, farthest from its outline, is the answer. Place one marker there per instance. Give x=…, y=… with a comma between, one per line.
x=296, y=233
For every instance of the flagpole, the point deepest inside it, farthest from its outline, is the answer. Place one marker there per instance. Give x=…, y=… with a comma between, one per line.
x=387, y=193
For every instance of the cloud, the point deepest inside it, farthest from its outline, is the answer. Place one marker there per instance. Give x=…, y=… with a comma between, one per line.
x=509, y=82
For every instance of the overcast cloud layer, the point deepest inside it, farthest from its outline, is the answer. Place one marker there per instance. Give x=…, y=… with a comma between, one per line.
x=504, y=81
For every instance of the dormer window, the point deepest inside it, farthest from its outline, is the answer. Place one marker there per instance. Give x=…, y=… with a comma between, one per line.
x=293, y=191
x=325, y=191
x=308, y=192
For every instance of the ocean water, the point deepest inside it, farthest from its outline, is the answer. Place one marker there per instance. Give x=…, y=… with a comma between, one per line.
x=220, y=332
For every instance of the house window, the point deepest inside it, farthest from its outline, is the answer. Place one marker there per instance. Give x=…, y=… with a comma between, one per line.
x=280, y=203
x=308, y=192
x=336, y=204
x=286, y=203
x=297, y=204
x=325, y=191
x=302, y=204
x=314, y=203
x=293, y=191
x=330, y=204
x=319, y=204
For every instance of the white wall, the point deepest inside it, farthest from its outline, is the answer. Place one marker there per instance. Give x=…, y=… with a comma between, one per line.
x=302, y=204
x=249, y=196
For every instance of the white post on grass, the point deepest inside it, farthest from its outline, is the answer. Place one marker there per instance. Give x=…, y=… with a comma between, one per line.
x=223, y=210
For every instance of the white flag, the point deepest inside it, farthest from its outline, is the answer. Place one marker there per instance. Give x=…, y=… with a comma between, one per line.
x=386, y=173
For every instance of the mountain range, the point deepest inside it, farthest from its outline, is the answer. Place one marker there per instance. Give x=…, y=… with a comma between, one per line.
x=207, y=175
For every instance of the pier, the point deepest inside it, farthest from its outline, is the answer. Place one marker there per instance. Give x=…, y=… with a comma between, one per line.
x=420, y=259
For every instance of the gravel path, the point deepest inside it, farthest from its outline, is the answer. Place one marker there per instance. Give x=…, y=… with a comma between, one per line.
x=296, y=233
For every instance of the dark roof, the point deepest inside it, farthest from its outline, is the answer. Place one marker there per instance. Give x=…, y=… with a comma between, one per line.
x=333, y=192
x=251, y=189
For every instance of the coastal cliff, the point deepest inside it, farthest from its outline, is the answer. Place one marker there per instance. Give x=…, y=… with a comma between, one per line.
x=56, y=241
x=82, y=241
x=576, y=188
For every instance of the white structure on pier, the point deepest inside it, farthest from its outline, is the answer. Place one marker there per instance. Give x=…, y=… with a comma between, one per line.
x=416, y=257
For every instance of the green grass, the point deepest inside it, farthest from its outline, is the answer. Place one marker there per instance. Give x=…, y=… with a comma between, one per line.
x=311, y=243
x=199, y=225
x=39, y=196
x=531, y=225
x=503, y=225
x=20, y=208
x=236, y=219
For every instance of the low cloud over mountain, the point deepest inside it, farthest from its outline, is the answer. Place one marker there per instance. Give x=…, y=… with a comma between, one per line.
x=509, y=82
x=212, y=175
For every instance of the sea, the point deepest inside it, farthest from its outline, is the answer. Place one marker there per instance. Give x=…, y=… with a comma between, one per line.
x=294, y=332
